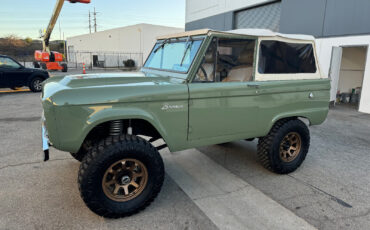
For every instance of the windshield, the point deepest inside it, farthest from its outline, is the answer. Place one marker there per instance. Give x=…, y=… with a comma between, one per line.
x=173, y=55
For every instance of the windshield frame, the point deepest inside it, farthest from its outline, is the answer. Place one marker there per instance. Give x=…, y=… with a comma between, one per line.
x=175, y=40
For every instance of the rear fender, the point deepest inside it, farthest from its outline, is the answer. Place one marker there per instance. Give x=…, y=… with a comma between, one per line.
x=314, y=116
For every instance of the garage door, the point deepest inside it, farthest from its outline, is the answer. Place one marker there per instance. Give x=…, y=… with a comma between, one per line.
x=263, y=17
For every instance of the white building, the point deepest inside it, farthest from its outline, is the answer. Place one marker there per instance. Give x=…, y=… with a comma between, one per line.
x=110, y=48
x=340, y=26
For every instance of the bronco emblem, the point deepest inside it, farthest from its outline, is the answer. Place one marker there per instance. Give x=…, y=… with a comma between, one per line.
x=167, y=107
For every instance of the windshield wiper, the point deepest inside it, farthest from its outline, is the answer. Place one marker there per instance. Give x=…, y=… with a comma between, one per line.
x=188, y=47
x=162, y=45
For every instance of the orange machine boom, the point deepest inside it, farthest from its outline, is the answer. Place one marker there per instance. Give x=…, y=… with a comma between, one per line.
x=50, y=59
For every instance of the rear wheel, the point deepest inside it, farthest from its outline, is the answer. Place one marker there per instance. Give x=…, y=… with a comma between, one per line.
x=65, y=67
x=36, y=84
x=285, y=147
x=120, y=176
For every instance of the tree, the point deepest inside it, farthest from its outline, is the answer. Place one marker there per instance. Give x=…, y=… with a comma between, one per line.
x=13, y=41
x=28, y=40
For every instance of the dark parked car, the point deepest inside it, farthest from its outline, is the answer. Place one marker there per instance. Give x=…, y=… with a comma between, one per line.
x=14, y=75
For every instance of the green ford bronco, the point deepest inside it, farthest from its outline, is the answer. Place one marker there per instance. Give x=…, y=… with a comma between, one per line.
x=196, y=88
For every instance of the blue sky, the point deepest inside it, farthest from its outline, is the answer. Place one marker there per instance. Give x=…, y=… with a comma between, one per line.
x=25, y=18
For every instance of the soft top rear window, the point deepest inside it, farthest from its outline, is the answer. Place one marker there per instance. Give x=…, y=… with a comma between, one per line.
x=277, y=57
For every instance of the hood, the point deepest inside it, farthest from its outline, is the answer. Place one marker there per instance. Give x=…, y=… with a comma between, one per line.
x=36, y=70
x=109, y=87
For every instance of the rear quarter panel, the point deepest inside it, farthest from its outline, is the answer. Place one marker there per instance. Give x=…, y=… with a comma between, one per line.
x=282, y=99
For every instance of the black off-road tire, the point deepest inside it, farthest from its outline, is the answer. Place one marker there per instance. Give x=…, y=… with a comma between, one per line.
x=79, y=155
x=33, y=82
x=65, y=67
x=83, y=151
x=268, y=150
x=101, y=156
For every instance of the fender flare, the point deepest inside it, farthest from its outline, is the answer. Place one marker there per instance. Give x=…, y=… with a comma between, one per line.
x=107, y=113
x=315, y=116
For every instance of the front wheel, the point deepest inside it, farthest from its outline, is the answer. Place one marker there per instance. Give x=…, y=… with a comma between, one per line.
x=285, y=147
x=120, y=176
x=36, y=84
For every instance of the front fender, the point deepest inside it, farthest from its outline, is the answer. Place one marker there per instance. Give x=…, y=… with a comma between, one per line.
x=75, y=122
x=108, y=113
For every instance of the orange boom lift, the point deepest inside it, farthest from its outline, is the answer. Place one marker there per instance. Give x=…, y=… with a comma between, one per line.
x=45, y=58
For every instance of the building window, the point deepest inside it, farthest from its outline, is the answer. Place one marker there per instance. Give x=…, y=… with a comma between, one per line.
x=262, y=17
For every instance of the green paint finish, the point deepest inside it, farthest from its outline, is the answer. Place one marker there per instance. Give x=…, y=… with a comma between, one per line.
x=185, y=114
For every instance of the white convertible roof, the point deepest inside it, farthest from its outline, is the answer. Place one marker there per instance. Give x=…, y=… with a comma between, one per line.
x=250, y=32
x=269, y=33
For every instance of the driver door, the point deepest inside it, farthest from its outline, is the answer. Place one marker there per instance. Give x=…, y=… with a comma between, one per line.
x=223, y=99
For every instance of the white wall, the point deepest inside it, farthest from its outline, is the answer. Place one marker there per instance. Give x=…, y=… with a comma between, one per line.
x=131, y=39
x=198, y=9
x=324, y=49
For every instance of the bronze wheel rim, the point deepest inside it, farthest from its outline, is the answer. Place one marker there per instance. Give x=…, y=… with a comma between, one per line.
x=290, y=147
x=125, y=180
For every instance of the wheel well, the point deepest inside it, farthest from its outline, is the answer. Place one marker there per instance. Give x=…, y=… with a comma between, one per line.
x=304, y=119
x=118, y=127
x=36, y=75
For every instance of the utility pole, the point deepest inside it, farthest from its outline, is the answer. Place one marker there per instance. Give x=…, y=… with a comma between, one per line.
x=64, y=47
x=60, y=32
x=95, y=24
x=90, y=21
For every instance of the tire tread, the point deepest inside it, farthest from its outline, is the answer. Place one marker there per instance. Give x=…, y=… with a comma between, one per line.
x=92, y=158
x=265, y=145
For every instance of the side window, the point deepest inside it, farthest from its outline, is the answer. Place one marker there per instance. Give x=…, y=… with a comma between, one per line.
x=206, y=71
x=8, y=63
x=227, y=60
x=277, y=57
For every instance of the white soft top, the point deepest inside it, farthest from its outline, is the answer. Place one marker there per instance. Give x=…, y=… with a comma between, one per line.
x=250, y=32
x=269, y=33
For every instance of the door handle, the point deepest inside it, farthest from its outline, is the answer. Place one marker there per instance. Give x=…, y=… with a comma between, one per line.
x=254, y=86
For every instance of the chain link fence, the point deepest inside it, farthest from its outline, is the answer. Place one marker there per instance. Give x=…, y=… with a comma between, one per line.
x=96, y=60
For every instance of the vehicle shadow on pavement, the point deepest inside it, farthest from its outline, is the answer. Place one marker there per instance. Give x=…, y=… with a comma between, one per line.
x=238, y=157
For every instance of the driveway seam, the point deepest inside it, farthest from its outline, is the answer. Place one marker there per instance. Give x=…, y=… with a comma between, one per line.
x=31, y=163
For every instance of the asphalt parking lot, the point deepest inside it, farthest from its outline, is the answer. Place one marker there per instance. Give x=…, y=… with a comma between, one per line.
x=330, y=191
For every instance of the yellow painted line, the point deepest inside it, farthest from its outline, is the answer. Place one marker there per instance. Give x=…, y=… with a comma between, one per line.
x=14, y=91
